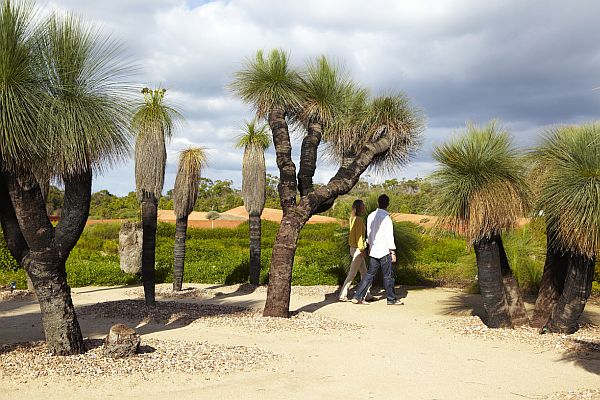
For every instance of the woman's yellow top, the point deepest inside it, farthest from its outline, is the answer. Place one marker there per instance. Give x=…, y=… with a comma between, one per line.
x=356, y=237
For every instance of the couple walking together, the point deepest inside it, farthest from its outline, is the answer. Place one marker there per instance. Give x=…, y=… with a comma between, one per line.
x=378, y=247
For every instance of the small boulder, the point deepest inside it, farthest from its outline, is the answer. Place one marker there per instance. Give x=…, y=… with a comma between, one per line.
x=130, y=247
x=122, y=341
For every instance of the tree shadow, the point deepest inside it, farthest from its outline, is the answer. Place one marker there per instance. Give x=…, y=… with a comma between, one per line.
x=75, y=291
x=96, y=319
x=585, y=354
x=465, y=304
x=242, y=290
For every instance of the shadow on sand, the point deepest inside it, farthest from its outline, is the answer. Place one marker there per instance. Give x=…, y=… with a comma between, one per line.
x=330, y=298
x=96, y=319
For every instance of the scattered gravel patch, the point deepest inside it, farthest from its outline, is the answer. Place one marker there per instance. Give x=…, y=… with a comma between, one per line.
x=584, y=394
x=165, y=312
x=7, y=295
x=27, y=361
x=214, y=315
x=584, y=343
x=302, y=322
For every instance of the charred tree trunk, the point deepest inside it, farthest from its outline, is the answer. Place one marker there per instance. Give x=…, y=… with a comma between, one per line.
x=179, y=252
x=49, y=278
x=577, y=288
x=255, y=235
x=489, y=272
x=551, y=286
x=514, y=300
x=149, y=216
x=282, y=261
x=43, y=250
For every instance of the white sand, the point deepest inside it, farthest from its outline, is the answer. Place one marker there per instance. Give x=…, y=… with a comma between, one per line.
x=331, y=350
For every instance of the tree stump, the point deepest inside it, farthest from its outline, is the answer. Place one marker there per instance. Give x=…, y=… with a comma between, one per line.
x=122, y=341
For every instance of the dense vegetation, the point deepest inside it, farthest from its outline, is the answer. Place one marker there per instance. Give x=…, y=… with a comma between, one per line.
x=221, y=256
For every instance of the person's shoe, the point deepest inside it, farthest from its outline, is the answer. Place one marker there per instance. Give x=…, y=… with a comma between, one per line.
x=356, y=301
x=344, y=299
x=369, y=298
x=395, y=303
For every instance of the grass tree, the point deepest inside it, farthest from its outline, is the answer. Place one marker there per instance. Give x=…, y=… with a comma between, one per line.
x=185, y=194
x=569, y=163
x=329, y=110
x=254, y=141
x=153, y=124
x=64, y=115
x=483, y=191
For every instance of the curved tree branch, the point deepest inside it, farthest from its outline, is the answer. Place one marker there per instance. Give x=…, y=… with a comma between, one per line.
x=283, y=149
x=308, y=157
x=75, y=211
x=30, y=210
x=10, y=226
x=346, y=177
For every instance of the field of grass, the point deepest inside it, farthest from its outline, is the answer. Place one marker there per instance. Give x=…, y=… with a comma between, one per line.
x=218, y=256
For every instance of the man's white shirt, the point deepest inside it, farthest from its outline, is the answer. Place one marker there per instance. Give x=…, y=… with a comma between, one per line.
x=380, y=233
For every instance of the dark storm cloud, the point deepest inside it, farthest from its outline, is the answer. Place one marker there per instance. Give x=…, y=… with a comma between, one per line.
x=528, y=63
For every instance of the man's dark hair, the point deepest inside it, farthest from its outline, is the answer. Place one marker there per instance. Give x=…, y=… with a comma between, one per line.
x=383, y=201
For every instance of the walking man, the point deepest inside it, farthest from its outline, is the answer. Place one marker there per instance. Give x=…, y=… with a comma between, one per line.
x=380, y=238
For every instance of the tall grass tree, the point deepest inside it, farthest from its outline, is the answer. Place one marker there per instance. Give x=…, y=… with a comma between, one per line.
x=483, y=191
x=254, y=141
x=568, y=160
x=153, y=124
x=185, y=193
x=328, y=110
x=63, y=101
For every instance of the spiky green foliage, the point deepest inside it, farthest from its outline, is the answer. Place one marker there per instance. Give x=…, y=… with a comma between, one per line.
x=481, y=180
x=268, y=82
x=153, y=123
x=87, y=111
x=324, y=92
x=569, y=161
x=185, y=193
x=255, y=141
x=366, y=119
x=254, y=134
x=21, y=86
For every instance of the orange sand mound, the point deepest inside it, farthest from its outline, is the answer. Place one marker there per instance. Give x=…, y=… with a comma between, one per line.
x=271, y=214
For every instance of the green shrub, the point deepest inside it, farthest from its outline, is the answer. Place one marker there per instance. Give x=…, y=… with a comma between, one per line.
x=221, y=256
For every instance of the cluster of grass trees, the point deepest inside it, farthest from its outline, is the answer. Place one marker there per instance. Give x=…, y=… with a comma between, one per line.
x=486, y=184
x=68, y=111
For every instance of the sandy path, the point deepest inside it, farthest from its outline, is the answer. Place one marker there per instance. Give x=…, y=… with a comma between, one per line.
x=402, y=352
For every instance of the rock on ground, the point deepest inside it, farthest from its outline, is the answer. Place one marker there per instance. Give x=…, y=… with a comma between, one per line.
x=130, y=247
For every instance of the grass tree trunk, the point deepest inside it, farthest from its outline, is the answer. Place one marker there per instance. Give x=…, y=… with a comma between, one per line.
x=514, y=300
x=255, y=235
x=43, y=250
x=577, y=289
x=179, y=252
x=489, y=272
x=149, y=217
x=282, y=261
x=551, y=286
x=49, y=279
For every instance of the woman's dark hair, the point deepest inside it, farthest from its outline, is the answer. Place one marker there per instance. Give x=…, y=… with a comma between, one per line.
x=357, y=203
x=383, y=201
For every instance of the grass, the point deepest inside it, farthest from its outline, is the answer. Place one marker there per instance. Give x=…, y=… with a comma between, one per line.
x=220, y=256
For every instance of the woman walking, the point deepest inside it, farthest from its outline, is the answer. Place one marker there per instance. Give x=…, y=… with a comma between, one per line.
x=358, y=246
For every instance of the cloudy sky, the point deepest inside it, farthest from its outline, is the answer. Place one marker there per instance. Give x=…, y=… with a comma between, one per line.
x=530, y=64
